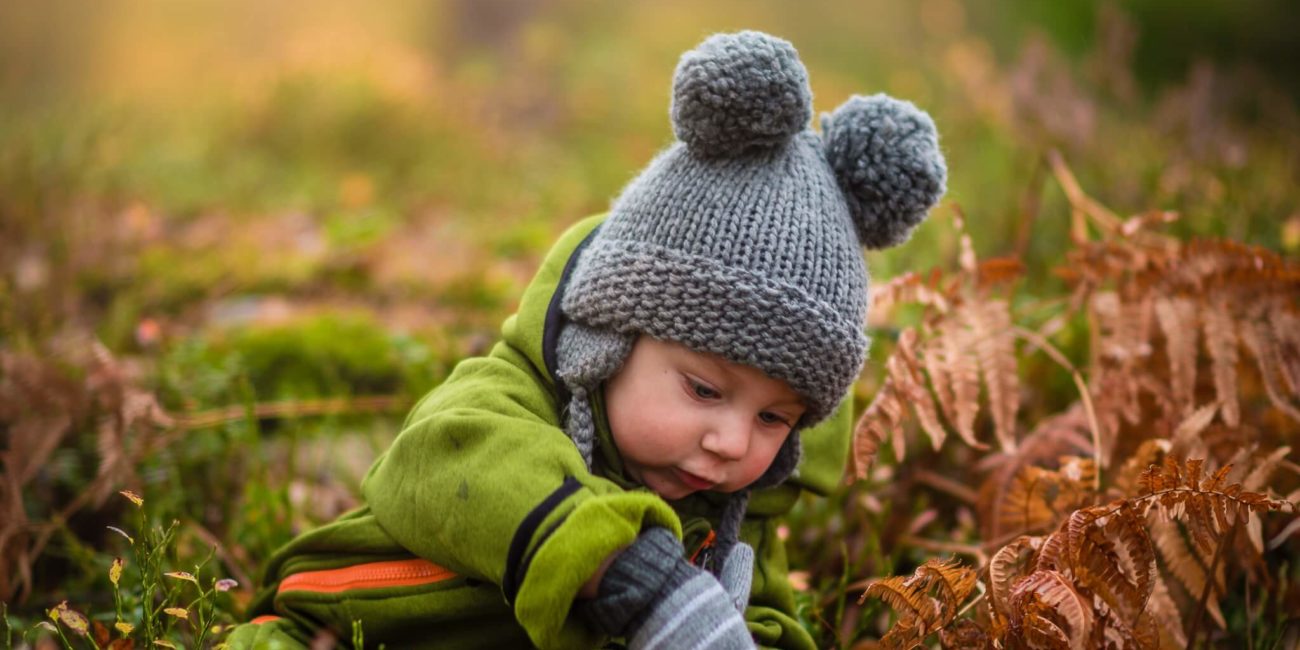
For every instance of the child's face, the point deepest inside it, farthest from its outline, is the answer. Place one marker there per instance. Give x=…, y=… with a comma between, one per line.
x=685, y=421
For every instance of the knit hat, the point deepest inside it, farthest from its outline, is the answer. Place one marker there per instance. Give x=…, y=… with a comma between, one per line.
x=744, y=237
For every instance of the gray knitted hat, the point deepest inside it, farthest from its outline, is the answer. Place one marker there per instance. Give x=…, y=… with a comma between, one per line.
x=744, y=238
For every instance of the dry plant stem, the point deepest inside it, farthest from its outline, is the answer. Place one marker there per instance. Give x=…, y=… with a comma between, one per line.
x=974, y=601
x=1083, y=204
x=1294, y=468
x=1030, y=203
x=946, y=485
x=1209, y=582
x=1050, y=350
x=1250, y=632
x=940, y=546
x=292, y=409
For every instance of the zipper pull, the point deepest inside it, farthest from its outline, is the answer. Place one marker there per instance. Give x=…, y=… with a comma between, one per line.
x=702, y=554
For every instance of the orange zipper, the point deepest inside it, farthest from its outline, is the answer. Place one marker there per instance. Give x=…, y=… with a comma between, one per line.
x=372, y=575
x=708, y=543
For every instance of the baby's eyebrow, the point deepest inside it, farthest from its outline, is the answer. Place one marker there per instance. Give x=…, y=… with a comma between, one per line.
x=697, y=358
x=795, y=403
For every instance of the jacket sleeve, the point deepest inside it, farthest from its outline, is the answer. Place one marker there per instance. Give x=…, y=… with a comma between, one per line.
x=483, y=480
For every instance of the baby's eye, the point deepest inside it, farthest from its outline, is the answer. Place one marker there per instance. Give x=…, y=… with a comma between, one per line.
x=702, y=391
x=768, y=417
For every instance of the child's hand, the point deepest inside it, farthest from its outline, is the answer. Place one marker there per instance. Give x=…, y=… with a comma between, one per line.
x=738, y=575
x=655, y=598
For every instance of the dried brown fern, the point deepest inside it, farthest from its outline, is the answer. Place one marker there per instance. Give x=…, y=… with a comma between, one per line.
x=1174, y=431
x=40, y=406
x=926, y=601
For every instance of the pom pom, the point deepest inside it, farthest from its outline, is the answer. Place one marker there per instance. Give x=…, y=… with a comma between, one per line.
x=736, y=92
x=885, y=154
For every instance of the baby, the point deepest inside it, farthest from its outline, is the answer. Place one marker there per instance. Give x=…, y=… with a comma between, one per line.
x=613, y=469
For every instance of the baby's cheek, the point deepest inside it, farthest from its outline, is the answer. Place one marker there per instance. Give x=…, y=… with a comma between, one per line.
x=761, y=458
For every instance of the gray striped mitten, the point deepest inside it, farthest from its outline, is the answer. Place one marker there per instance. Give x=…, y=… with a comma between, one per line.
x=737, y=575
x=657, y=600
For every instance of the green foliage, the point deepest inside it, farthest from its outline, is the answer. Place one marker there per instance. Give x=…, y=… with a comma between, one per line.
x=296, y=218
x=151, y=604
x=327, y=354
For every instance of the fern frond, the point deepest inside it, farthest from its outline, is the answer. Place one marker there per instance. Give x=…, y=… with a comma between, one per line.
x=883, y=418
x=1048, y=610
x=1055, y=552
x=1026, y=506
x=925, y=601
x=1186, y=440
x=952, y=582
x=996, y=348
x=908, y=288
x=1221, y=343
x=1286, y=330
x=958, y=370
x=1177, y=319
x=1258, y=337
x=1096, y=565
x=1182, y=562
x=1136, y=558
x=1164, y=614
x=1263, y=470
x=1132, y=477
x=1008, y=565
x=904, y=594
x=905, y=372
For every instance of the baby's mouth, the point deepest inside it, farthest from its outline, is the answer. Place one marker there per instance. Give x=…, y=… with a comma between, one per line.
x=692, y=481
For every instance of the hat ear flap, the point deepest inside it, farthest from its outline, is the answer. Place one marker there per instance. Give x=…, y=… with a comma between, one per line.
x=886, y=158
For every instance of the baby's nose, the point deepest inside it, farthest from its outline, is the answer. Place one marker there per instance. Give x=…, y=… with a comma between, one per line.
x=729, y=439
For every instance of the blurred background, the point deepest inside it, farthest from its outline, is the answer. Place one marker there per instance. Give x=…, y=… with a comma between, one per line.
x=248, y=235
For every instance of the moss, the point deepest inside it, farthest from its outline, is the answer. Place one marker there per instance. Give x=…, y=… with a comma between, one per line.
x=312, y=356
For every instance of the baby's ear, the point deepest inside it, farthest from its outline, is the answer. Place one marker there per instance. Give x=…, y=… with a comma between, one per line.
x=885, y=155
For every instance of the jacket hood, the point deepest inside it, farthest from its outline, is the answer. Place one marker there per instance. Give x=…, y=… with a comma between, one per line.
x=535, y=327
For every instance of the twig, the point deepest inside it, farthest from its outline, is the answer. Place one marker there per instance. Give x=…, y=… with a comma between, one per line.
x=293, y=409
x=940, y=546
x=1030, y=203
x=1209, y=582
x=946, y=485
x=1250, y=619
x=1083, y=204
x=974, y=601
x=1051, y=350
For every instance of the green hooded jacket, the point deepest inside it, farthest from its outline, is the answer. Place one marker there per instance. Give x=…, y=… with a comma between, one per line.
x=481, y=521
